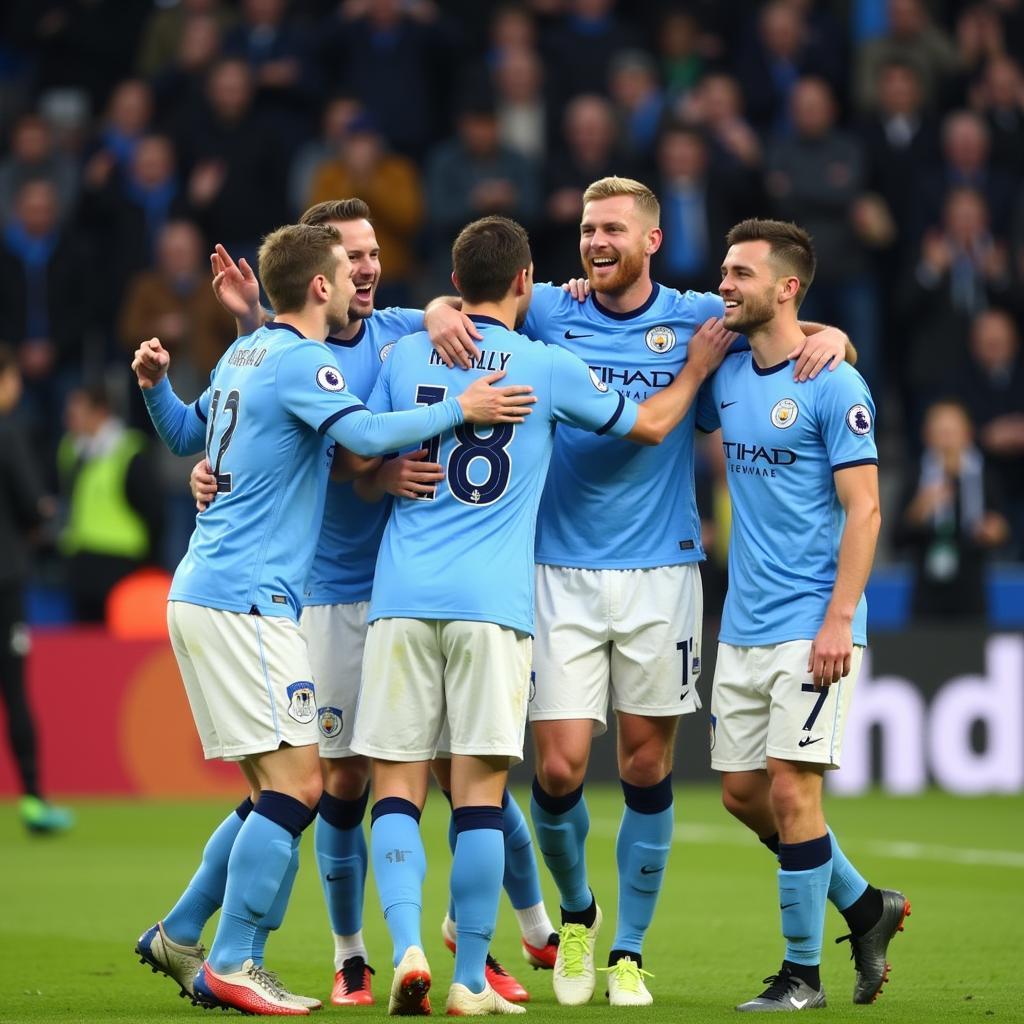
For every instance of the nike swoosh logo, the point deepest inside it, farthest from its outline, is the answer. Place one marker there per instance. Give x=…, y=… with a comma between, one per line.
x=786, y=906
x=647, y=870
x=798, y=1003
x=725, y=405
x=336, y=878
x=569, y=336
x=807, y=741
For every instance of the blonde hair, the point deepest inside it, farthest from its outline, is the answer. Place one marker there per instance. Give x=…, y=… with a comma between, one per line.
x=607, y=188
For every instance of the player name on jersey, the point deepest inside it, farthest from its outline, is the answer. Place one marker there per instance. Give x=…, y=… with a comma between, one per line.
x=489, y=359
x=247, y=357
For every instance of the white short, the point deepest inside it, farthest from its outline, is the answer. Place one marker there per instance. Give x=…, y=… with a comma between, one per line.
x=335, y=635
x=633, y=634
x=247, y=678
x=423, y=673
x=763, y=705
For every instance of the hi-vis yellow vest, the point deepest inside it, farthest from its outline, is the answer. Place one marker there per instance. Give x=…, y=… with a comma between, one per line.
x=100, y=519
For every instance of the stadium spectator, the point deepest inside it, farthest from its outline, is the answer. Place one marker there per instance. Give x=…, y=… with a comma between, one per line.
x=395, y=58
x=46, y=302
x=390, y=184
x=236, y=179
x=473, y=175
x=165, y=35
x=950, y=520
x=912, y=39
x=174, y=302
x=24, y=509
x=979, y=39
x=579, y=49
x=816, y=179
x=112, y=502
x=125, y=216
x=992, y=389
x=588, y=151
x=523, y=119
x=697, y=209
x=960, y=271
x=179, y=86
x=771, y=64
x=679, y=51
x=34, y=156
x=965, y=163
x=279, y=51
x=128, y=118
x=634, y=88
x=338, y=115
x=999, y=98
x=716, y=105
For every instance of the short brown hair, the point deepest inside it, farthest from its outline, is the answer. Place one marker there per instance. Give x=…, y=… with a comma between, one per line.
x=607, y=188
x=291, y=257
x=336, y=209
x=791, y=247
x=486, y=257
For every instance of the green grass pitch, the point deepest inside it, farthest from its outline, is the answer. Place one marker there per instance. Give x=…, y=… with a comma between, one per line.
x=71, y=908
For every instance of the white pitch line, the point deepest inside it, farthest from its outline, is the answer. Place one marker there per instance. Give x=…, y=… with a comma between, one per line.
x=724, y=835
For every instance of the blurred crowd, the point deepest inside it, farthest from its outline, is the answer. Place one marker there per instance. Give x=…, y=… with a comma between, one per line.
x=135, y=133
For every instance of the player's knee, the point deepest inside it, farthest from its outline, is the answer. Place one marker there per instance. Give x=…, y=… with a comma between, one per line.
x=345, y=778
x=647, y=765
x=309, y=790
x=791, y=800
x=559, y=775
x=734, y=800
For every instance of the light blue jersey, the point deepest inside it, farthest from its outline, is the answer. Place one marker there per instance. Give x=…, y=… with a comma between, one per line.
x=609, y=504
x=467, y=553
x=350, y=536
x=782, y=444
x=272, y=398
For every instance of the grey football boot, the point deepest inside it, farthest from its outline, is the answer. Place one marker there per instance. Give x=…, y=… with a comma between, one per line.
x=868, y=950
x=785, y=993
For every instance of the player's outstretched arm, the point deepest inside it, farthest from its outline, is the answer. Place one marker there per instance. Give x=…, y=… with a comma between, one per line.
x=832, y=649
x=237, y=290
x=366, y=434
x=452, y=333
x=662, y=412
x=180, y=426
x=823, y=346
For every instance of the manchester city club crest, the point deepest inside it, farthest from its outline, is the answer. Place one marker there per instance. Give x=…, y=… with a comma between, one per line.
x=784, y=413
x=302, y=701
x=661, y=339
x=330, y=721
x=386, y=350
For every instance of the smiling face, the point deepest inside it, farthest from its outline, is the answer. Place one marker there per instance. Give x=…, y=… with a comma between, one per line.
x=342, y=293
x=616, y=242
x=360, y=243
x=750, y=286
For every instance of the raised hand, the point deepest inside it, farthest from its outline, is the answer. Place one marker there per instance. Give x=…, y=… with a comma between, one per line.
x=236, y=288
x=150, y=363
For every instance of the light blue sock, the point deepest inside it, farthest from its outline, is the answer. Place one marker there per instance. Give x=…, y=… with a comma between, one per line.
x=846, y=885
x=477, y=867
x=275, y=915
x=399, y=866
x=562, y=824
x=522, y=879
x=260, y=858
x=341, y=859
x=641, y=853
x=205, y=893
x=803, y=891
